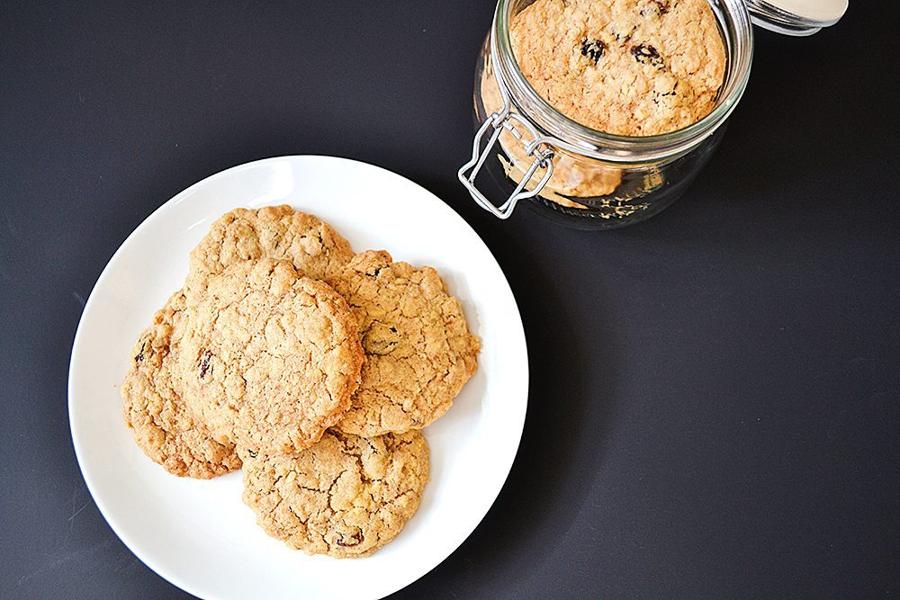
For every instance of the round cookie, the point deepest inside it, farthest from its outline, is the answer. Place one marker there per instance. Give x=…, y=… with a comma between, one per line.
x=315, y=249
x=346, y=496
x=627, y=67
x=269, y=359
x=160, y=422
x=419, y=352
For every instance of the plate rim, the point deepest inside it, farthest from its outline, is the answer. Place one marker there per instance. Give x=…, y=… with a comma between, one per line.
x=133, y=545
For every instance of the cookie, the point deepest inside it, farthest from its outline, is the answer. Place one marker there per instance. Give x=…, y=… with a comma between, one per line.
x=312, y=246
x=419, y=352
x=346, y=496
x=269, y=359
x=627, y=67
x=161, y=424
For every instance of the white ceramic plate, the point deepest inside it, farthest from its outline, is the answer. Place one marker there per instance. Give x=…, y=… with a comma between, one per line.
x=198, y=534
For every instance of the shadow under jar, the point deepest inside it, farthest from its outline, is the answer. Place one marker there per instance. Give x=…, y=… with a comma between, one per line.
x=590, y=179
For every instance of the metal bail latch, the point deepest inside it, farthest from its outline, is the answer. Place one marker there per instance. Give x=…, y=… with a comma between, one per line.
x=538, y=147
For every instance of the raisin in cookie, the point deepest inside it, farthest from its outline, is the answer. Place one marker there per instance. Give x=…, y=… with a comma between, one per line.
x=346, y=496
x=315, y=249
x=419, y=352
x=269, y=359
x=162, y=426
x=627, y=67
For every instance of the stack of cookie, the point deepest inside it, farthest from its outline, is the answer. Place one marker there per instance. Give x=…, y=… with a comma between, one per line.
x=308, y=366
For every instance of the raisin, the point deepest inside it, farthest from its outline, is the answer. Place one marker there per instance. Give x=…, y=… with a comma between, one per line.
x=662, y=6
x=204, y=362
x=380, y=339
x=647, y=55
x=593, y=49
x=145, y=351
x=353, y=540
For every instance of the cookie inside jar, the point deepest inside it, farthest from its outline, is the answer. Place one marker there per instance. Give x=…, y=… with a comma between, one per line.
x=631, y=68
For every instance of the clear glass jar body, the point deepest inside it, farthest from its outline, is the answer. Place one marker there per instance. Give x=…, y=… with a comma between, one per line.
x=586, y=178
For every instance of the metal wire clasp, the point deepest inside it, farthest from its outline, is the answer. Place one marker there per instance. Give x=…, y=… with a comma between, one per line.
x=538, y=147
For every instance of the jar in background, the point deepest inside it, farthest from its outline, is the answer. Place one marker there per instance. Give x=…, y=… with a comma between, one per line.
x=588, y=178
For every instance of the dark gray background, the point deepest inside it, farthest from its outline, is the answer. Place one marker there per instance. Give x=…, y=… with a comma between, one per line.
x=714, y=393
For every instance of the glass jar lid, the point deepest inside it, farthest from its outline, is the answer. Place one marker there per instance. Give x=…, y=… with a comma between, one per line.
x=796, y=17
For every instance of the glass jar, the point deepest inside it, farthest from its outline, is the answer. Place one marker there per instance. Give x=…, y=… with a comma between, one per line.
x=588, y=178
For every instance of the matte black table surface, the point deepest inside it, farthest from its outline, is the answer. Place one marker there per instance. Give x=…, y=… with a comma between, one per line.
x=714, y=393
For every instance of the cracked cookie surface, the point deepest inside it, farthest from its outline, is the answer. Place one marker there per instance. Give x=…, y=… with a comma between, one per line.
x=419, y=352
x=160, y=422
x=627, y=67
x=268, y=358
x=312, y=246
x=346, y=496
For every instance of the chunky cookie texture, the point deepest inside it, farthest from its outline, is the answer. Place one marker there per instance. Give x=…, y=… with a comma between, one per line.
x=312, y=246
x=346, y=496
x=419, y=352
x=627, y=67
x=269, y=359
x=160, y=422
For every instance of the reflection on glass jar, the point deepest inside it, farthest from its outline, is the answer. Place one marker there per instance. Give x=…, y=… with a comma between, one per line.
x=582, y=184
